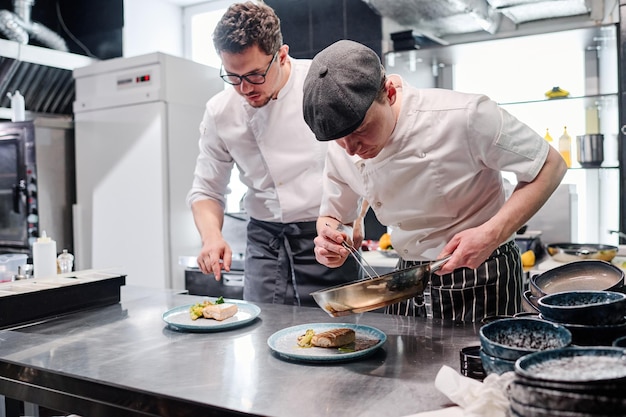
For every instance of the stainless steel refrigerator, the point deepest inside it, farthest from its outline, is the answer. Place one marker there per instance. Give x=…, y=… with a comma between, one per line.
x=136, y=126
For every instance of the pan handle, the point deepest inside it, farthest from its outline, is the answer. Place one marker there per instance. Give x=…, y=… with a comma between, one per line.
x=435, y=265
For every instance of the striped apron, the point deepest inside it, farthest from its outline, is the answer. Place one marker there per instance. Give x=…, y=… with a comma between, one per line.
x=494, y=288
x=280, y=265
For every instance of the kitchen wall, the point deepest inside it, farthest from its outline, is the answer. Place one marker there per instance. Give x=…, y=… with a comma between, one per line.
x=161, y=30
x=311, y=25
x=308, y=25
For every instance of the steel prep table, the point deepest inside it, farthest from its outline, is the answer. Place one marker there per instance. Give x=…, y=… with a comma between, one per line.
x=123, y=360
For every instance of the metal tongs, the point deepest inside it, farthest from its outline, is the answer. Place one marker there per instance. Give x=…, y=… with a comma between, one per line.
x=617, y=232
x=365, y=266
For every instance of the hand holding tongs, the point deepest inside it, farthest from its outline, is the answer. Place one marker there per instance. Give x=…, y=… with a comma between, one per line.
x=365, y=266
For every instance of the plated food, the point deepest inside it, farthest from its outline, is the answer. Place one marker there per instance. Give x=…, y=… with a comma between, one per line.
x=332, y=338
x=179, y=318
x=288, y=343
x=218, y=310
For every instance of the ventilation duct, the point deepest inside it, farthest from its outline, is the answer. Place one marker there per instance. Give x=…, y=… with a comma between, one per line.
x=18, y=26
x=442, y=20
x=42, y=75
x=523, y=11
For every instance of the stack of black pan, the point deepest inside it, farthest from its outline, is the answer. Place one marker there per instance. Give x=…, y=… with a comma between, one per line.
x=595, y=318
x=571, y=381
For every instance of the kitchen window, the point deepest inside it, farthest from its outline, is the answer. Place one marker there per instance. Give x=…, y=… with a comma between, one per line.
x=199, y=23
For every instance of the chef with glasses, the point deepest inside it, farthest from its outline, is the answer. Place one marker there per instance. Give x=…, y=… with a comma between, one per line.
x=258, y=125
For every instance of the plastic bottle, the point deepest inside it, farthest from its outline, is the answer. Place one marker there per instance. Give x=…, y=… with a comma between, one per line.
x=565, y=147
x=65, y=261
x=44, y=256
x=547, y=136
x=17, y=106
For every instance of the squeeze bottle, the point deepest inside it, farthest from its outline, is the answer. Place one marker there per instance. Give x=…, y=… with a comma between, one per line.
x=17, y=106
x=44, y=257
x=565, y=147
x=547, y=137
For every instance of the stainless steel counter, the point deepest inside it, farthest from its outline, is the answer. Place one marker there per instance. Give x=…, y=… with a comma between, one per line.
x=122, y=360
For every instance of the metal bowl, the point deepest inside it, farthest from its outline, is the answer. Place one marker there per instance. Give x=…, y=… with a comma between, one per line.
x=568, y=252
x=578, y=276
x=370, y=294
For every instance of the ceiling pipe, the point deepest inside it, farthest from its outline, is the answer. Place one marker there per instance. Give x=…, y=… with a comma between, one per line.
x=18, y=26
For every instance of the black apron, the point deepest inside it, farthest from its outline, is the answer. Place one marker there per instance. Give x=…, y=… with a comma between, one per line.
x=280, y=265
x=492, y=289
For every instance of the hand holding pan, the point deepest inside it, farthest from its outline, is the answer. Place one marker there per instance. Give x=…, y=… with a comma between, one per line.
x=370, y=294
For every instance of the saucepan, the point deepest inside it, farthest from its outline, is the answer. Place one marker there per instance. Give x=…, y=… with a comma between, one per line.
x=567, y=252
x=371, y=293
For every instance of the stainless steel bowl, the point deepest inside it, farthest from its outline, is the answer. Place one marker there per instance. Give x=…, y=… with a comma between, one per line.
x=567, y=252
x=370, y=294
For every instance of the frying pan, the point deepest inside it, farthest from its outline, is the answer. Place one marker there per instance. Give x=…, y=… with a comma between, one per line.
x=567, y=252
x=590, y=274
x=369, y=294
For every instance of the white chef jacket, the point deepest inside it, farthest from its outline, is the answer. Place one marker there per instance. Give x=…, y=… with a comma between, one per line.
x=439, y=174
x=277, y=155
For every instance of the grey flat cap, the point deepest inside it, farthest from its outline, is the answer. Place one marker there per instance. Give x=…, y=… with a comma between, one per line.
x=341, y=85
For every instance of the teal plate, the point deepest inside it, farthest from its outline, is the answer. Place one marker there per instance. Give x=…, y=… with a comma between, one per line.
x=178, y=318
x=285, y=343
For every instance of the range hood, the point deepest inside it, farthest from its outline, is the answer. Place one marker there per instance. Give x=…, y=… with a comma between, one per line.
x=42, y=75
x=444, y=21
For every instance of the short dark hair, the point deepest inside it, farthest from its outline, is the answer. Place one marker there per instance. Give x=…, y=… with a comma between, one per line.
x=382, y=92
x=248, y=24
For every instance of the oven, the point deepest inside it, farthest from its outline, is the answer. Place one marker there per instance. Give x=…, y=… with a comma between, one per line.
x=36, y=183
x=18, y=187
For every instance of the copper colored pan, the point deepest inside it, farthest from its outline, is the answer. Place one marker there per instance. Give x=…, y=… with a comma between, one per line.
x=370, y=294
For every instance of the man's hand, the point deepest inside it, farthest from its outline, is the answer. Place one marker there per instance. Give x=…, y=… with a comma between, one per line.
x=328, y=248
x=215, y=256
x=469, y=248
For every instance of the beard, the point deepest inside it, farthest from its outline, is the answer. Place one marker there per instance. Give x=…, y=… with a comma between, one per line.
x=258, y=100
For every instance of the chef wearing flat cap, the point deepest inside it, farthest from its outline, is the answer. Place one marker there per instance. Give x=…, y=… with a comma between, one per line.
x=429, y=163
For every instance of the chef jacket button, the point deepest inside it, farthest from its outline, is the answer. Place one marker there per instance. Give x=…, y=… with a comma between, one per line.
x=362, y=165
x=421, y=155
x=379, y=204
x=406, y=251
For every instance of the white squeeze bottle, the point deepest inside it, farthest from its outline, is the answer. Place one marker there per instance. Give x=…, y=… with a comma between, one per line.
x=44, y=257
x=17, y=106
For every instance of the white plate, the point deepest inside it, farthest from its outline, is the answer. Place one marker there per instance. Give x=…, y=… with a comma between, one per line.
x=178, y=318
x=285, y=342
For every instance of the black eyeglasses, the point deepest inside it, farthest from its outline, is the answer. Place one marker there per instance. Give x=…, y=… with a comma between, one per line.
x=235, y=79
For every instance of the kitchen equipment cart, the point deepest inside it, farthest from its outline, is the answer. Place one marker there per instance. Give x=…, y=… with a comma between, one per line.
x=123, y=360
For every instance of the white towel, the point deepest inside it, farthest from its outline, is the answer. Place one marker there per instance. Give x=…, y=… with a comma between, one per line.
x=473, y=398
